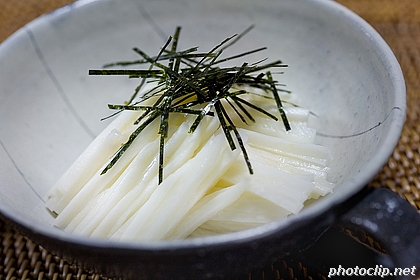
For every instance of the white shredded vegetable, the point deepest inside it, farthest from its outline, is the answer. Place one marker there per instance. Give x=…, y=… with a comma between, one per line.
x=207, y=188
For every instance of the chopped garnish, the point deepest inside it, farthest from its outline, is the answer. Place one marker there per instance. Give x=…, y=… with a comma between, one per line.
x=190, y=82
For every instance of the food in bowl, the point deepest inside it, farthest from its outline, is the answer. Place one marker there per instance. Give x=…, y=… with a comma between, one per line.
x=205, y=150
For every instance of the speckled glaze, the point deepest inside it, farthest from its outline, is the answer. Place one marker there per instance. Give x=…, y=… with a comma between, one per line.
x=339, y=66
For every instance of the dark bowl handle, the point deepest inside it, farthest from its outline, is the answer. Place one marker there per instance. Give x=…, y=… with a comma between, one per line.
x=393, y=222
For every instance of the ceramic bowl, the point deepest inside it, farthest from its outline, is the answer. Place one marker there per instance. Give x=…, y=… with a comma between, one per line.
x=50, y=109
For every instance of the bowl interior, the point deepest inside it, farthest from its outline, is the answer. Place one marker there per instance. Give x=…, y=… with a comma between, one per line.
x=50, y=109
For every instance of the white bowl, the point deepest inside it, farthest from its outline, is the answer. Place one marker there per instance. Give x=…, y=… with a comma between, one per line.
x=50, y=108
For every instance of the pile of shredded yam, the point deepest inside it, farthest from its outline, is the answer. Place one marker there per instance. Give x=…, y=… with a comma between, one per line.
x=207, y=187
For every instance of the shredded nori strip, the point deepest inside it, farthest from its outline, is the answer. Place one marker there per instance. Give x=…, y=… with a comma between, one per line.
x=193, y=83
